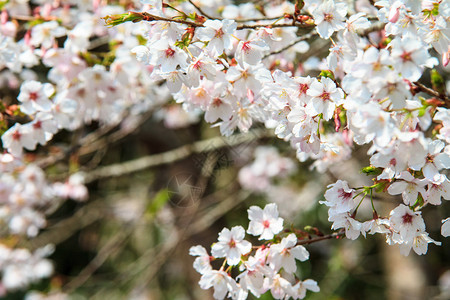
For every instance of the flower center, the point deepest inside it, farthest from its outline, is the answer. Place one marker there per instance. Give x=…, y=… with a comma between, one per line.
x=198, y=65
x=266, y=224
x=303, y=88
x=170, y=52
x=216, y=102
x=246, y=47
x=37, y=125
x=33, y=96
x=328, y=17
x=219, y=33
x=16, y=135
x=406, y=56
x=344, y=195
x=407, y=218
x=325, y=96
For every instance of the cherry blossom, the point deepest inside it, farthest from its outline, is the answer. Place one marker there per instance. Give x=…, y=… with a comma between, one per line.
x=264, y=223
x=284, y=254
x=231, y=245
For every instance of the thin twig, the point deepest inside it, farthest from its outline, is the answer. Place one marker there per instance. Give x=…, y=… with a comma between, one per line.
x=113, y=245
x=149, y=17
x=321, y=238
x=174, y=155
x=200, y=10
x=302, y=38
x=433, y=93
x=258, y=19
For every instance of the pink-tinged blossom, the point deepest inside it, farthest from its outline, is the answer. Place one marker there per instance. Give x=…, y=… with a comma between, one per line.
x=73, y=188
x=393, y=163
x=419, y=244
x=329, y=17
x=325, y=97
x=44, y=34
x=202, y=66
x=222, y=283
x=248, y=77
x=34, y=96
x=340, y=197
x=436, y=160
x=410, y=56
x=168, y=56
x=437, y=190
x=394, y=11
x=406, y=222
x=280, y=287
x=264, y=223
x=202, y=262
x=353, y=228
x=250, y=52
x=43, y=127
x=300, y=288
x=231, y=245
x=378, y=225
x=18, y=137
x=219, y=108
x=408, y=186
x=284, y=254
x=256, y=270
x=21, y=267
x=218, y=35
x=27, y=221
x=439, y=36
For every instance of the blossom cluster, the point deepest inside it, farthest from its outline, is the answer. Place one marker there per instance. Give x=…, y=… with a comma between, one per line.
x=271, y=267
x=268, y=164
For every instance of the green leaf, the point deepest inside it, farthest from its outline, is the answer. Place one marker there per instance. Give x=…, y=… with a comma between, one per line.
x=158, y=202
x=327, y=74
x=371, y=170
x=114, y=20
x=3, y=3
x=437, y=81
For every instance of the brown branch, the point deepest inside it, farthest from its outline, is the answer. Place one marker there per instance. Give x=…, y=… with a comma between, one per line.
x=256, y=26
x=150, y=18
x=302, y=38
x=321, y=238
x=433, y=93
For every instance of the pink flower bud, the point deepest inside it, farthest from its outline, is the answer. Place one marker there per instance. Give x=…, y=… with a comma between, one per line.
x=446, y=58
x=4, y=17
x=45, y=12
x=394, y=13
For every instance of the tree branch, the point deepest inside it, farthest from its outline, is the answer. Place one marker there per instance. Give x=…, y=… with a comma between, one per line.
x=302, y=38
x=200, y=10
x=174, y=155
x=433, y=93
x=321, y=238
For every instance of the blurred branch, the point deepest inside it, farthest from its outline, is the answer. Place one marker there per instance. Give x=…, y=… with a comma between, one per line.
x=201, y=10
x=112, y=246
x=175, y=155
x=302, y=38
x=94, y=141
x=322, y=238
x=64, y=229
